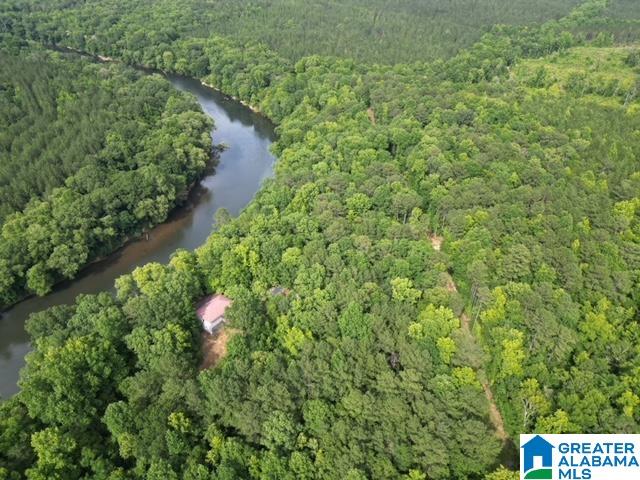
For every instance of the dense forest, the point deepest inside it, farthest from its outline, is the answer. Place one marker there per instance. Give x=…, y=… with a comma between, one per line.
x=89, y=154
x=459, y=240
x=620, y=21
x=373, y=31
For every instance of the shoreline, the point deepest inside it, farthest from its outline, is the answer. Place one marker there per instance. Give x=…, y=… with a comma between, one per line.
x=253, y=108
x=127, y=239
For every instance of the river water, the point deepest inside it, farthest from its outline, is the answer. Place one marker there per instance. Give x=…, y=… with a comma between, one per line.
x=241, y=169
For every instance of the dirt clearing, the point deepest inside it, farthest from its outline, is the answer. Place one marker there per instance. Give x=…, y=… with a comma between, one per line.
x=214, y=346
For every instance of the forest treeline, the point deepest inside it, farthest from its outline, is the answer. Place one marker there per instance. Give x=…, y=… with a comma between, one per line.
x=511, y=157
x=372, y=31
x=369, y=31
x=89, y=154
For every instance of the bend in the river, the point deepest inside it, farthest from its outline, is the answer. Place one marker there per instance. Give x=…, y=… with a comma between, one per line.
x=237, y=177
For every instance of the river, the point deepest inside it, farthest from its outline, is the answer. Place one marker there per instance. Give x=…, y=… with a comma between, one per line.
x=241, y=169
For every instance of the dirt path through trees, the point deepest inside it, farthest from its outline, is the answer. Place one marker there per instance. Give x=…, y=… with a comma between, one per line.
x=494, y=413
x=465, y=323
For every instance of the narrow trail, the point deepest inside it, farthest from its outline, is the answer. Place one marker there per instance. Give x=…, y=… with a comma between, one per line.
x=465, y=324
x=494, y=413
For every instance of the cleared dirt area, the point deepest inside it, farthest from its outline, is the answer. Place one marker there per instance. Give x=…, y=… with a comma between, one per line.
x=214, y=346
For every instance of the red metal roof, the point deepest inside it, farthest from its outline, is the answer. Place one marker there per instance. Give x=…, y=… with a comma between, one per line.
x=213, y=307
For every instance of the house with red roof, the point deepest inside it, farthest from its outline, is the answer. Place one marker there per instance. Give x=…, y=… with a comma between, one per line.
x=211, y=311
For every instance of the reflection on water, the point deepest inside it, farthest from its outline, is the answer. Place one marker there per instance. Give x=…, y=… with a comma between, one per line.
x=241, y=169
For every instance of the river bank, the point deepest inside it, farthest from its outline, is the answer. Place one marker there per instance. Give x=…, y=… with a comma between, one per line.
x=142, y=234
x=107, y=59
